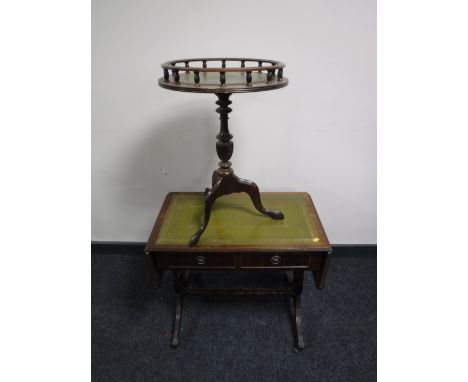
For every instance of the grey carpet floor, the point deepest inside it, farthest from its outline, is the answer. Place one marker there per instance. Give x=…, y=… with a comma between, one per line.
x=231, y=338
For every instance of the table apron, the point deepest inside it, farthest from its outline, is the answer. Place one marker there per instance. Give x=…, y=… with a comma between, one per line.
x=272, y=268
x=239, y=261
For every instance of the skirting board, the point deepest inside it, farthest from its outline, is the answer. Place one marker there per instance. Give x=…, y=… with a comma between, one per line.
x=137, y=248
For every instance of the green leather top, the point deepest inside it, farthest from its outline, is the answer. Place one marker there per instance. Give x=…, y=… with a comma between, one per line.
x=236, y=223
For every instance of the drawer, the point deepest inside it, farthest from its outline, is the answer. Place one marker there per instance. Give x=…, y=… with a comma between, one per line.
x=281, y=260
x=194, y=261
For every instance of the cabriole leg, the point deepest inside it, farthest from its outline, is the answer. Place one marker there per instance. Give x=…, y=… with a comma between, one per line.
x=177, y=322
x=298, y=282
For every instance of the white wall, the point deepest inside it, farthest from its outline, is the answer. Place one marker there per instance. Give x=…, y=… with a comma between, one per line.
x=316, y=135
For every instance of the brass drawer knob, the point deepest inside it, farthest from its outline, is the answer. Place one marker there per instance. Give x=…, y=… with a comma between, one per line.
x=200, y=260
x=275, y=259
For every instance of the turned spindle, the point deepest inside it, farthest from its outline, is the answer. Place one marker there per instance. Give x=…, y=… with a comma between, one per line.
x=279, y=77
x=269, y=75
x=175, y=72
x=224, y=145
x=248, y=78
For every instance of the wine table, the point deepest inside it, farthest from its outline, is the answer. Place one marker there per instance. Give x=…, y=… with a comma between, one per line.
x=223, y=77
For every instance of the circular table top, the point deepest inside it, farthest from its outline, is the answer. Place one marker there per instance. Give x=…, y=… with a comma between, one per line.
x=223, y=75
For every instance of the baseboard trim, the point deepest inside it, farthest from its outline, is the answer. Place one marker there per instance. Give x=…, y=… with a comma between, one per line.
x=137, y=248
x=354, y=250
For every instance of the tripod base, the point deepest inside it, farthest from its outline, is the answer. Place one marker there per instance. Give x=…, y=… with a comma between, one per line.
x=225, y=184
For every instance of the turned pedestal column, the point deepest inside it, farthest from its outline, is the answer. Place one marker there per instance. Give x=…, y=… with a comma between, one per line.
x=224, y=181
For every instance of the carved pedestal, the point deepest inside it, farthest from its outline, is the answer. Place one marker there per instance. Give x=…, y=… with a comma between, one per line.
x=224, y=181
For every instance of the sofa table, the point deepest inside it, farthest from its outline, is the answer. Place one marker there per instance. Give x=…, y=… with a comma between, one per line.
x=239, y=238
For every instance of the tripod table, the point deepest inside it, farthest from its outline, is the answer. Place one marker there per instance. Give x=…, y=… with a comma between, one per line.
x=223, y=77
